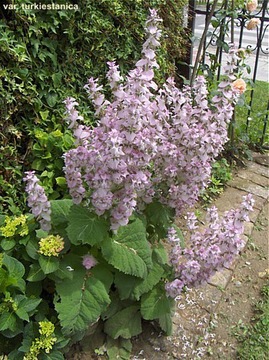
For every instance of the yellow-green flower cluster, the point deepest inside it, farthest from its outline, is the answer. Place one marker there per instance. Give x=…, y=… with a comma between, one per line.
x=44, y=342
x=15, y=225
x=51, y=245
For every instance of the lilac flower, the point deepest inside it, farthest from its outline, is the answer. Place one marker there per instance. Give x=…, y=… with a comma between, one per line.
x=89, y=261
x=37, y=200
x=149, y=143
x=210, y=249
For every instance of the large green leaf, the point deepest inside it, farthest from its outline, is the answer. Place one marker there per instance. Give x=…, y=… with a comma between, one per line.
x=132, y=287
x=28, y=304
x=48, y=264
x=82, y=300
x=35, y=273
x=8, y=244
x=60, y=210
x=156, y=303
x=14, y=266
x=32, y=248
x=166, y=323
x=102, y=273
x=86, y=227
x=129, y=250
x=125, y=323
x=16, y=272
x=8, y=321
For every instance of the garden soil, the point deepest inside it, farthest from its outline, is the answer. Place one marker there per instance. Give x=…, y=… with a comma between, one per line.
x=207, y=318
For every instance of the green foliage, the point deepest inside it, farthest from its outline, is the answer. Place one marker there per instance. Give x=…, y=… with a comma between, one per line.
x=256, y=116
x=221, y=174
x=46, y=55
x=86, y=227
x=253, y=339
x=128, y=250
x=82, y=300
x=124, y=286
x=125, y=323
x=119, y=348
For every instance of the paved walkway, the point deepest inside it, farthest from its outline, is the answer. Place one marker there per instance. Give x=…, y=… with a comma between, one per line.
x=195, y=309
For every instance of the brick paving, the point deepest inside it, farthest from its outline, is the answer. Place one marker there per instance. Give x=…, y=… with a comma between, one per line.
x=253, y=179
x=196, y=308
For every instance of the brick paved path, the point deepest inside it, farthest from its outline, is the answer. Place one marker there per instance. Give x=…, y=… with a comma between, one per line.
x=195, y=309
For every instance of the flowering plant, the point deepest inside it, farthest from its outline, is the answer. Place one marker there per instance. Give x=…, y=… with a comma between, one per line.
x=101, y=256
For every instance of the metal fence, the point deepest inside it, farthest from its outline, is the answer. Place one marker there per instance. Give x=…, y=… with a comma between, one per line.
x=223, y=23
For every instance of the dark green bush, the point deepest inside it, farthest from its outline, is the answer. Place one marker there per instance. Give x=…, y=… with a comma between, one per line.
x=47, y=55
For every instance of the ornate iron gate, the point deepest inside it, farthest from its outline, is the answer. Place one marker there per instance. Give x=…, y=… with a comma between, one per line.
x=224, y=24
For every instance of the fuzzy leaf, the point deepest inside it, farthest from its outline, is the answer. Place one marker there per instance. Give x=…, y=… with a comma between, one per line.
x=125, y=323
x=160, y=254
x=60, y=210
x=82, y=300
x=128, y=250
x=103, y=274
x=160, y=216
x=155, y=303
x=131, y=287
x=86, y=227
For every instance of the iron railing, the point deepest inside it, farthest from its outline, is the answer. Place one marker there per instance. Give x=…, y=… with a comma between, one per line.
x=229, y=21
